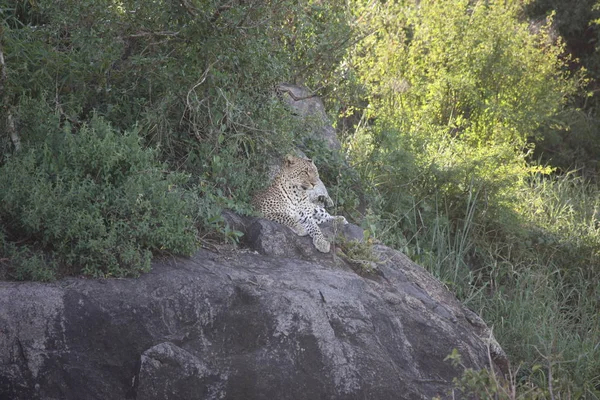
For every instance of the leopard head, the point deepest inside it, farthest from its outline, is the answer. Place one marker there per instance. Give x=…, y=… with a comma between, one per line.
x=300, y=171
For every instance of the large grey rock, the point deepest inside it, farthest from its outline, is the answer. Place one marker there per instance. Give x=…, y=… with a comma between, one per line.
x=238, y=325
x=168, y=371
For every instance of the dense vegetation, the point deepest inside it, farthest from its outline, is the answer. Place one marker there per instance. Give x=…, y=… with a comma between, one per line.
x=471, y=127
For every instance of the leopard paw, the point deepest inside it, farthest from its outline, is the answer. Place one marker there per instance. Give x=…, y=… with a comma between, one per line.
x=299, y=230
x=341, y=219
x=322, y=245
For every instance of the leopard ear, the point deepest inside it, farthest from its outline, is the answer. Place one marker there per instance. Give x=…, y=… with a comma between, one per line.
x=289, y=160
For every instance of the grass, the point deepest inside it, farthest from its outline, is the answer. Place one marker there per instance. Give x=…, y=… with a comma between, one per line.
x=532, y=272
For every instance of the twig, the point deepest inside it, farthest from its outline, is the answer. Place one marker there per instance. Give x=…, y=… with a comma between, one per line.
x=3, y=72
x=293, y=96
x=189, y=8
x=188, y=104
x=219, y=10
x=548, y=360
x=200, y=82
x=144, y=34
x=248, y=11
x=489, y=354
x=550, y=389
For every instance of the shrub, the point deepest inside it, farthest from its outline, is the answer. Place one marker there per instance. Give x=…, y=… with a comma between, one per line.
x=95, y=201
x=461, y=86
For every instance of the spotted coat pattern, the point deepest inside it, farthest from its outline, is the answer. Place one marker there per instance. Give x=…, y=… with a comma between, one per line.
x=287, y=201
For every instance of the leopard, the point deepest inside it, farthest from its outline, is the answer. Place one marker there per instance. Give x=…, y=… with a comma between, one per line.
x=320, y=198
x=319, y=195
x=287, y=200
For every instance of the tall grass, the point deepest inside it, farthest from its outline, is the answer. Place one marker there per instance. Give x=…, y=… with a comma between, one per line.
x=532, y=270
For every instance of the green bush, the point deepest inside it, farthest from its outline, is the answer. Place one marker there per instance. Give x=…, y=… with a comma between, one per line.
x=461, y=86
x=197, y=79
x=572, y=141
x=196, y=69
x=24, y=263
x=96, y=201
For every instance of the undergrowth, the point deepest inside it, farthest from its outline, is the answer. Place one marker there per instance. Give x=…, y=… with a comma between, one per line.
x=95, y=202
x=359, y=254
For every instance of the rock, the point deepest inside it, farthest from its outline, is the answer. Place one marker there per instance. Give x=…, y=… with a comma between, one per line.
x=170, y=372
x=292, y=324
x=308, y=105
x=348, y=231
x=273, y=239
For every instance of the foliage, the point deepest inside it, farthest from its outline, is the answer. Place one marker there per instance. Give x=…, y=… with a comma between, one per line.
x=464, y=109
x=573, y=140
x=190, y=69
x=550, y=285
x=487, y=384
x=448, y=100
x=25, y=264
x=195, y=80
x=455, y=92
x=359, y=254
x=95, y=201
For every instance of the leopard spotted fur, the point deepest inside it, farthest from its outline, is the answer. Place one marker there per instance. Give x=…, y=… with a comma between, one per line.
x=287, y=200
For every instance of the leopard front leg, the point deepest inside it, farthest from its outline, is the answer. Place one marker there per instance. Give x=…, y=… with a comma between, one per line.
x=321, y=215
x=315, y=233
x=288, y=220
